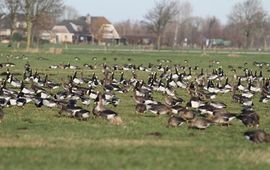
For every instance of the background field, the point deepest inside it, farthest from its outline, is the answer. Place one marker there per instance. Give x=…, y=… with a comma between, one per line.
x=32, y=138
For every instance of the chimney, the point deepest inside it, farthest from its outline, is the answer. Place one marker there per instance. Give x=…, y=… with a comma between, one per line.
x=88, y=19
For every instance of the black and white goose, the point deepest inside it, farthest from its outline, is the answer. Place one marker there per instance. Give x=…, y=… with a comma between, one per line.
x=195, y=102
x=71, y=110
x=13, y=81
x=25, y=90
x=77, y=80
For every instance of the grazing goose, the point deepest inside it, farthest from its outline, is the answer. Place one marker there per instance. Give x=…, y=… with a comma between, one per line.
x=218, y=105
x=140, y=108
x=207, y=109
x=222, y=118
x=85, y=100
x=187, y=114
x=195, y=102
x=242, y=99
x=175, y=121
x=50, y=103
x=71, y=110
x=206, y=95
x=199, y=123
x=264, y=99
x=53, y=67
x=143, y=99
x=110, y=98
x=257, y=136
x=249, y=118
x=4, y=101
x=173, y=101
x=160, y=109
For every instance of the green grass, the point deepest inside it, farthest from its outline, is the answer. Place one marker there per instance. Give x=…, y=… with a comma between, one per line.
x=32, y=138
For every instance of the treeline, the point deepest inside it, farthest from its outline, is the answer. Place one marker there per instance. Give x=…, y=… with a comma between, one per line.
x=170, y=22
x=173, y=25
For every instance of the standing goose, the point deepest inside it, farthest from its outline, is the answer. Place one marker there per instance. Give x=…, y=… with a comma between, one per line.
x=13, y=81
x=76, y=80
x=25, y=90
x=101, y=111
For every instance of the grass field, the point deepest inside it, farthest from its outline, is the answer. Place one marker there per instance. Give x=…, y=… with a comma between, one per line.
x=32, y=138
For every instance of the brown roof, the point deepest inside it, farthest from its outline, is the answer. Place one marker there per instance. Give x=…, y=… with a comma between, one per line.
x=97, y=22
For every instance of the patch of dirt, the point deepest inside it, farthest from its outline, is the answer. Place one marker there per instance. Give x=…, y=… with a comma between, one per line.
x=233, y=55
x=69, y=143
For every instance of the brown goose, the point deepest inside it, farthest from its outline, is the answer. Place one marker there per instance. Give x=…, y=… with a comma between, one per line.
x=249, y=118
x=160, y=109
x=222, y=118
x=101, y=111
x=140, y=108
x=175, y=121
x=187, y=114
x=199, y=123
x=257, y=136
x=173, y=101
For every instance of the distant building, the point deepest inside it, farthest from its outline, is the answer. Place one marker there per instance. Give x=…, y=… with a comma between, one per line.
x=71, y=31
x=217, y=43
x=85, y=30
x=5, y=26
x=138, y=40
x=103, y=31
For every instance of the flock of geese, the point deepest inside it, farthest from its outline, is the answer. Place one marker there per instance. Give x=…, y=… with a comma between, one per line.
x=201, y=111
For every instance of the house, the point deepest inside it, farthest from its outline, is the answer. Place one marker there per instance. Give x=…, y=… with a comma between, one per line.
x=85, y=30
x=71, y=31
x=5, y=26
x=103, y=31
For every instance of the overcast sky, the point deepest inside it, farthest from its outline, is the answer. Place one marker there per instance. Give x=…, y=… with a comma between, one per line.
x=118, y=10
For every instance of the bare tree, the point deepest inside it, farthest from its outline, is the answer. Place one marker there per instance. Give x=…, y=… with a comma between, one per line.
x=249, y=15
x=212, y=29
x=33, y=9
x=12, y=8
x=130, y=27
x=184, y=12
x=158, y=18
x=69, y=13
